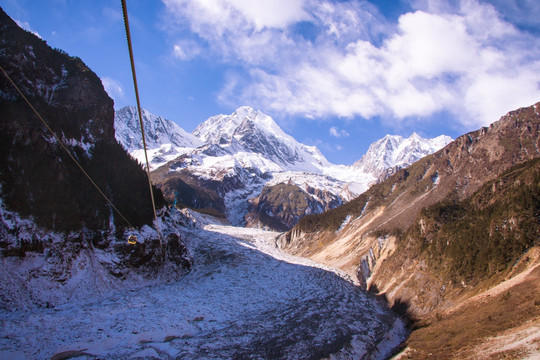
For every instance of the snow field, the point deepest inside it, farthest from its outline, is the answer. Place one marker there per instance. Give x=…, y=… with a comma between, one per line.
x=243, y=299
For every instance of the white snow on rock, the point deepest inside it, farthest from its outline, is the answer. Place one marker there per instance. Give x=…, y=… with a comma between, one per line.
x=165, y=140
x=396, y=151
x=251, y=142
x=243, y=299
x=255, y=132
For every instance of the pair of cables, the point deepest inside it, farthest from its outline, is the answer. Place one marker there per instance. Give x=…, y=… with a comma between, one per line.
x=132, y=239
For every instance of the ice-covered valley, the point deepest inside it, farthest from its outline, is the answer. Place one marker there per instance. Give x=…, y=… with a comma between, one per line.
x=242, y=299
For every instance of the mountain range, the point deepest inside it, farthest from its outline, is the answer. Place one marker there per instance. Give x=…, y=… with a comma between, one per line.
x=239, y=164
x=85, y=278
x=452, y=240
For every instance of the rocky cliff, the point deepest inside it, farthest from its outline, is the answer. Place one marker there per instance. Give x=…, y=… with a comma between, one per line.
x=51, y=215
x=281, y=206
x=38, y=177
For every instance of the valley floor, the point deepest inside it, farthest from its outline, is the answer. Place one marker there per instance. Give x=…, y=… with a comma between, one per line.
x=242, y=299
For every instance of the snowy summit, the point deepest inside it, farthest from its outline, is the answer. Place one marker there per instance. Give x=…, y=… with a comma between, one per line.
x=247, y=150
x=251, y=131
x=165, y=140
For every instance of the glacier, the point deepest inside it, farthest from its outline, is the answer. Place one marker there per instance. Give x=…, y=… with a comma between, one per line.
x=244, y=298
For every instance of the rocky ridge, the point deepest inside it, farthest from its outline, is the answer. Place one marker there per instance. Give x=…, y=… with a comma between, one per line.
x=393, y=152
x=165, y=140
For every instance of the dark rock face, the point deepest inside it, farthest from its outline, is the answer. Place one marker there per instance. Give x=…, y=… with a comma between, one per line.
x=38, y=178
x=189, y=190
x=148, y=257
x=205, y=194
x=50, y=213
x=281, y=206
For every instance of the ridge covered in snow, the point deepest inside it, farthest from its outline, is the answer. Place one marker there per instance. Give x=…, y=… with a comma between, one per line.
x=247, y=150
x=252, y=131
x=395, y=151
x=165, y=140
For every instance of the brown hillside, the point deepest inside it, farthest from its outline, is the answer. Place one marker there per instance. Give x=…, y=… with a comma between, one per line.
x=451, y=226
x=455, y=171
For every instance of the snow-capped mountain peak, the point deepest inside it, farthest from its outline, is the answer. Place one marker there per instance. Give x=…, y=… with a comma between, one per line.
x=251, y=131
x=235, y=156
x=158, y=131
x=165, y=140
x=224, y=127
x=396, y=151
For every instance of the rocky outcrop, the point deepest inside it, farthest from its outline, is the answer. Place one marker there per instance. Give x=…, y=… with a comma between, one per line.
x=53, y=223
x=375, y=256
x=281, y=206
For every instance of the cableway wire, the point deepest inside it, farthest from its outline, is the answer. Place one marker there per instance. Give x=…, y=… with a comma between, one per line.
x=65, y=147
x=128, y=36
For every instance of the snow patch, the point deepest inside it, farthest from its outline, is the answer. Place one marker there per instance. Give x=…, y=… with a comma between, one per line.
x=435, y=178
x=344, y=223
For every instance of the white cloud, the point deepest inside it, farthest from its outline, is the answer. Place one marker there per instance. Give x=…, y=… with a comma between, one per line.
x=186, y=50
x=26, y=26
x=235, y=15
x=523, y=12
x=462, y=58
x=429, y=45
x=492, y=95
x=113, y=88
x=271, y=13
x=245, y=31
x=335, y=132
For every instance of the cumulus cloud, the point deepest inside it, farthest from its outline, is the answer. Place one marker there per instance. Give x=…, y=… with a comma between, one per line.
x=245, y=31
x=271, y=14
x=113, y=88
x=458, y=57
x=237, y=15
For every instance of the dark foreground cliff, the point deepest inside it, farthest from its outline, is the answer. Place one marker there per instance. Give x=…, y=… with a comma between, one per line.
x=51, y=215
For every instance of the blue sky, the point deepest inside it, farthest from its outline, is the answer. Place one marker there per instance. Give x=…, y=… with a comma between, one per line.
x=336, y=74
